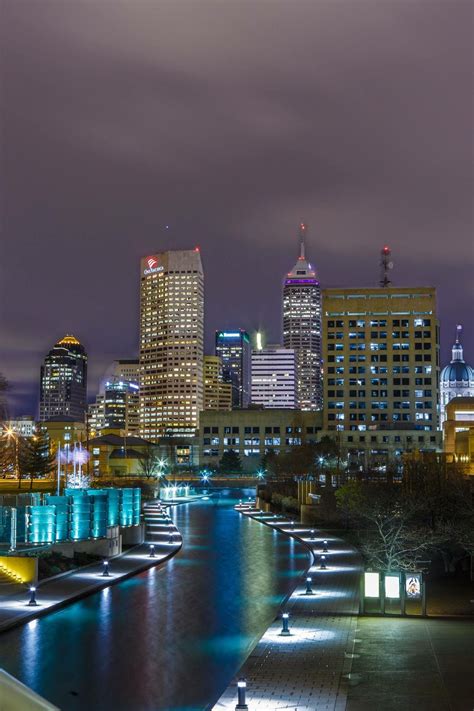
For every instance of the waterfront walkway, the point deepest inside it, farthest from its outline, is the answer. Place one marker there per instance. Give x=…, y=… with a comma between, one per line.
x=56, y=592
x=334, y=660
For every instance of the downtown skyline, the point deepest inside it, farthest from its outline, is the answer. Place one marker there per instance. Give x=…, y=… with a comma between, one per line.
x=343, y=143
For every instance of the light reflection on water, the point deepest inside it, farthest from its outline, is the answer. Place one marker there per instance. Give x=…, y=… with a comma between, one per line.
x=170, y=638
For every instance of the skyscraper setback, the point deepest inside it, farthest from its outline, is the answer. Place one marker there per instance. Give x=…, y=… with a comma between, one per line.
x=171, y=343
x=302, y=328
x=63, y=386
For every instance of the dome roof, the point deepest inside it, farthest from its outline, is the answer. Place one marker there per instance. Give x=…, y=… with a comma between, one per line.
x=458, y=372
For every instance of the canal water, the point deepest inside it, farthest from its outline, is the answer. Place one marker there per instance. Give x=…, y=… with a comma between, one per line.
x=171, y=638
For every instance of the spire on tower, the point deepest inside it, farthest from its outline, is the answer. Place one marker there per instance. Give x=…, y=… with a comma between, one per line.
x=302, y=233
x=385, y=265
x=458, y=333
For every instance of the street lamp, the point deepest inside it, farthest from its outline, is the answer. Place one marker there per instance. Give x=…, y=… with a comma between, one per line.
x=241, y=691
x=32, y=602
x=285, y=632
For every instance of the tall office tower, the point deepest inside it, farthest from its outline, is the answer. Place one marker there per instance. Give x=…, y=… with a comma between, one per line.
x=233, y=348
x=217, y=393
x=274, y=377
x=302, y=328
x=171, y=343
x=116, y=407
x=457, y=378
x=63, y=381
x=381, y=347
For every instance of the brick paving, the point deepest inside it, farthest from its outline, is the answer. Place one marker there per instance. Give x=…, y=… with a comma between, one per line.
x=56, y=592
x=310, y=669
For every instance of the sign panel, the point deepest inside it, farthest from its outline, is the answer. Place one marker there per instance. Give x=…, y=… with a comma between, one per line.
x=392, y=586
x=371, y=584
x=413, y=586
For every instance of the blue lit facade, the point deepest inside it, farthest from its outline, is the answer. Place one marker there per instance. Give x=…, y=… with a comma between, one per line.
x=233, y=348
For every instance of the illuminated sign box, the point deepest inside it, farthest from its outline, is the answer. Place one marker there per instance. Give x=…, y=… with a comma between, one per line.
x=371, y=584
x=413, y=586
x=392, y=586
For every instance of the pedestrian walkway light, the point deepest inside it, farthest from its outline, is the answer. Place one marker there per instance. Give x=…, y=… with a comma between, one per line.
x=105, y=569
x=292, y=524
x=171, y=537
x=313, y=538
x=32, y=602
x=241, y=691
x=325, y=546
x=285, y=632
x=152, y=551
x=323, y=562
x=309, y=589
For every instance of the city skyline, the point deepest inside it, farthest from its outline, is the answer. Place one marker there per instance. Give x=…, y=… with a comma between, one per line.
x=341, y=141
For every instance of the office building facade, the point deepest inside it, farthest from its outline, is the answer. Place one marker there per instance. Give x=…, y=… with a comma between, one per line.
x=171, y=343
x=273, y=378
x=381, y=354
x=63, y=381
x=116, y=407
x=217, y=393
x=302, y=328
x=233, y=348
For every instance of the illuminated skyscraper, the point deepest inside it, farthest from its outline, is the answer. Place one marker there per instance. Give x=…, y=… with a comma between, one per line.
x=217, y=393
x=273, y=377
x=63, y=386
x=233, y=347
x=302, y=328
x=171, y=343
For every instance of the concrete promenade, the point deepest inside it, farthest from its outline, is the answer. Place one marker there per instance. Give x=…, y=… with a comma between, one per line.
x=64, y=589
x=334, y=660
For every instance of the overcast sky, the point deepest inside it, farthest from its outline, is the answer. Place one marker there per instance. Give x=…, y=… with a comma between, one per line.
x=230, y=122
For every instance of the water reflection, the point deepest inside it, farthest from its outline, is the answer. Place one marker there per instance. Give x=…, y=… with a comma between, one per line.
x=170, y=638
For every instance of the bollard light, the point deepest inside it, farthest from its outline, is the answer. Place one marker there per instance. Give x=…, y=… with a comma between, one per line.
x=32, y=602
x=323, y=562
x=241, y=692
x=171, y=537
x=292, y=524
x=313, y=537
x=325, y=546
x=152, y=551
x=309, y=589
x=285, y=632
x=105, y=569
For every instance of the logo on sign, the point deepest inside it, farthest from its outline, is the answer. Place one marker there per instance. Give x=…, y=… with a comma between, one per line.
x=152, y=266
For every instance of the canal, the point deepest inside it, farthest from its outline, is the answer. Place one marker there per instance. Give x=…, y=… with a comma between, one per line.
x=171, y=638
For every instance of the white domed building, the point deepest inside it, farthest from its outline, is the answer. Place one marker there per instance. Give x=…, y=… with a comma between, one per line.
x=457, y=378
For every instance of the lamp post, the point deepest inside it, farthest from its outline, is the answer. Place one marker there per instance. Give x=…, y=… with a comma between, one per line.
x=323, y=563
x=105, y=569
x=241, y=691
x=309, y=589
x=285, y=631
x=313, y=537
x=32, y=602
x=325, y=546
x=152, y=551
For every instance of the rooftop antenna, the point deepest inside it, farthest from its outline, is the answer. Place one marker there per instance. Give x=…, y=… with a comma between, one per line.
x=386, y=265
x=302, y=232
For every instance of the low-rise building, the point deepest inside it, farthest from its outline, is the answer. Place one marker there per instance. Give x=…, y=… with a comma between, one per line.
x=23, y=426
x=112, y=454
x=459, y=432
x=252, y=432
x=64, y=431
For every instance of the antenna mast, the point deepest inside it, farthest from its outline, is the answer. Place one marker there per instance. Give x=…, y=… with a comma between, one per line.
x=386, y=265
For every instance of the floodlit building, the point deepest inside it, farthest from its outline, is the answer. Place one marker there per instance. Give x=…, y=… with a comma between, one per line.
x=381, y=354
x=115, y=407
x=114, y=455
x=64, y=431
x=23, y=426
x=233, y=348
x=125, y=369
x=217, y=393
x=302, y=328
x=459, y=432
x=457, y=378
x=171, y=343
x=274, y=377
x=63, y=381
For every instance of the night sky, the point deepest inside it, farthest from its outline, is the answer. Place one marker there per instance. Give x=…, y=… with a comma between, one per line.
x=230, y=122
